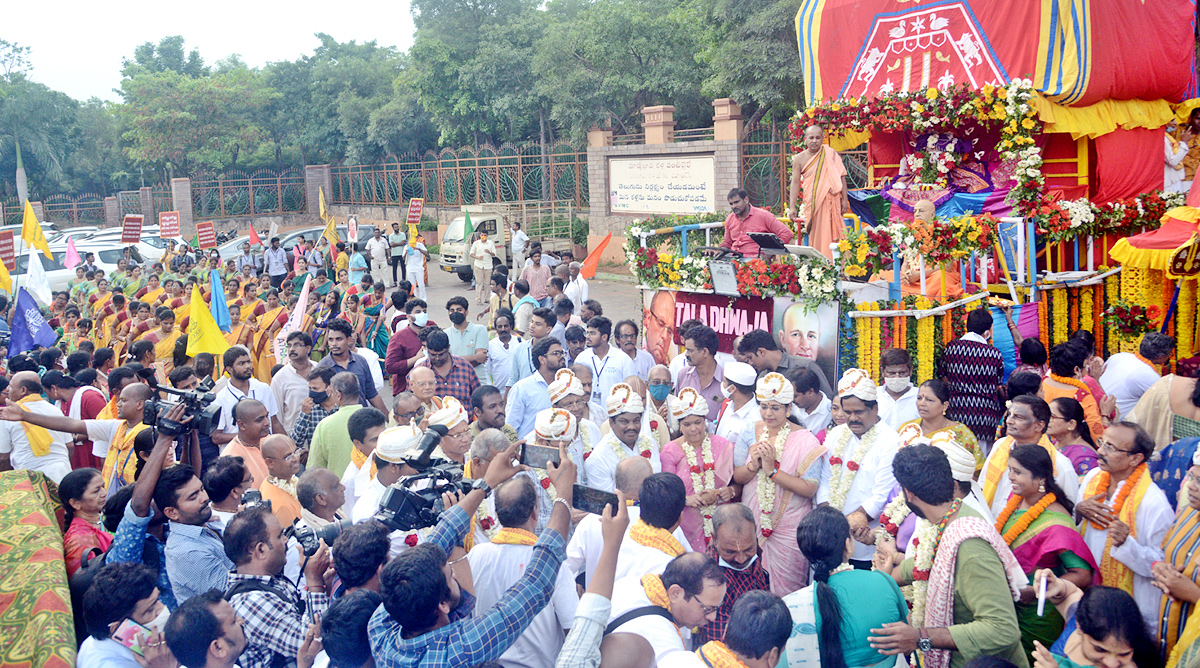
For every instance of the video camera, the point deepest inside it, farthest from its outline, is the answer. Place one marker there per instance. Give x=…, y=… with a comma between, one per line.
x=415, y=501
x=196, y=405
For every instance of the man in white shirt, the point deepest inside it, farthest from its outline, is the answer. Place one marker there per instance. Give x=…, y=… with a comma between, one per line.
x=1127, y=376
x=242, y=385
x=1132, y=537
x=740, y=411
x=624, y=439
x=859, y=491
x=810, y=406
x=578, y=286
x=379, y=250
x=393, y=446
x=290, y=385
x=500, y=351
x=1026, y=424
x=498, y=564
x=609, y=365
x=414, y=263
x=651, y=544
x=276, y=261
x=626, y=337
x=520, y=241
x=898, y=401
x=689, y=608
x=48, y=451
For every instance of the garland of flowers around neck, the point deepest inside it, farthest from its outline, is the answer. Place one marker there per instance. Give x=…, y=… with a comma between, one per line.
x=704, y=476
x=766, y=486
x=586, y=439
x=485, y=518
x=1030, y=516
x=544, y=480
x=1073, y=382
x=893, y=515
x=842, y=473
x=925, y=540
x=645, y=443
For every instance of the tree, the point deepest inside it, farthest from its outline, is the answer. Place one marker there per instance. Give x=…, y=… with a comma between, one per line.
x=166, y=56
x=33, y=122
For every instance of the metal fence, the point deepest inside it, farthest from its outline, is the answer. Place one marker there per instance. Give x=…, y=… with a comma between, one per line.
x=162, y=200
x=240, y=194
x=451, y=177
x=68, y=211
x=766, y=157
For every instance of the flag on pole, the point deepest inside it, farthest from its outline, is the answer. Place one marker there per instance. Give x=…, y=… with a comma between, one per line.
x=254, y=240
x=38, y=284
x=592, y=261
x=293, y=322
x=273, y=231
x=31, y=231
x=468, y=228
x=219, y=308
x=321, y=210
x=6, y=282
x=29, y=328
x=330, y=234
x=72, y=259
x=203, y=334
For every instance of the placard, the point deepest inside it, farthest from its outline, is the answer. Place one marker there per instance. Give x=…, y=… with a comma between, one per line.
x=684, y=184
x=168, y=224
x=351, y=233
x=8, y=252
x=131, y=228
x=415, y=206
x=206, y=234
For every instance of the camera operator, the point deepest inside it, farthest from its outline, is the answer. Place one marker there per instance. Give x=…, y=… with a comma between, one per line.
x=418, y=591
x=321, y=496
x=393, y=446
x=186, y=379
x=120, y=466
x=275, y=618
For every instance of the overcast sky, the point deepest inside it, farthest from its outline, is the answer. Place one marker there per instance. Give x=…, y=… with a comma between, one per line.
x=77, y=46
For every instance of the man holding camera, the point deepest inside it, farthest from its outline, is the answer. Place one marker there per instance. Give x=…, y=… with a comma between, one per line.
x=413, y=627
x=393, y=446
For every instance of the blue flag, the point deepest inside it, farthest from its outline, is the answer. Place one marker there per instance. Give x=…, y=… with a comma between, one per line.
x=219, y=308
x=29, y=328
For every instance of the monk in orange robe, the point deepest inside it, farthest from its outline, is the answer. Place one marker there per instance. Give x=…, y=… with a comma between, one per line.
x=818, y=172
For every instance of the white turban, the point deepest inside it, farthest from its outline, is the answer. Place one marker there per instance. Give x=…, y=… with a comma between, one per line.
x=397, y=443
x=857, y=383
x=450, y=414
x=910, y=434
x=622, y=399
x=774, y=387
x=962, y=462
x=689, y=402
x=555, y=424
x=565, y=384
x=740, y=373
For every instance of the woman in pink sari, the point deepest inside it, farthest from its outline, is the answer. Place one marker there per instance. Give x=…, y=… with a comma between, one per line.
x=776, y=463
x=705, y=464
x=83, y=494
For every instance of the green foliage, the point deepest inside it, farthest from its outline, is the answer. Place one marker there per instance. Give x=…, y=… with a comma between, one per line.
x=166, y=56
x=35, y=126
x=427, y=224
x=579, y=231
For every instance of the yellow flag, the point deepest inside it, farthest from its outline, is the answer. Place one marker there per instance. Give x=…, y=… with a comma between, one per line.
x=331, y=234
x=203, y=334
x=322, y=211
x=5, y=278
x=31, y=231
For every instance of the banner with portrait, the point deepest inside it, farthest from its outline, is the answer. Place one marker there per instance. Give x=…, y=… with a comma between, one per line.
x=810, y=333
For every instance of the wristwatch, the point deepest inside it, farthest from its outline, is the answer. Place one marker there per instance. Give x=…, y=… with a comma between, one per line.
x=924, y=644
x=481, y=484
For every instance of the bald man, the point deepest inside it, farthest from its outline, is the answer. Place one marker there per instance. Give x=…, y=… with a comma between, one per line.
x=818, y=171
x=15, y=450
x=626, y=650
x=121, y=461
x=279, y=454
x=254, y=424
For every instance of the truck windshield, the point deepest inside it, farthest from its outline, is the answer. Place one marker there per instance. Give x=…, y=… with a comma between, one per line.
x=454, y=233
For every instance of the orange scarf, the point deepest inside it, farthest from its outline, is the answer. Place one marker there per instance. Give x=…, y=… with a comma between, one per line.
x=659, y=539
x=997, y=466
x=508, y=536
x=358, y=458
x=655, y=591
x=714, y=653
x=1113, y=572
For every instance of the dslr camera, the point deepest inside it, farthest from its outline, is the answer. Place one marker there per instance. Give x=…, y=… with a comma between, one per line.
x=310, y=538
x=199, y=407
x=415, y=501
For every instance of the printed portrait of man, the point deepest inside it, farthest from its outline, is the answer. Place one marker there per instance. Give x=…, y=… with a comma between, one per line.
x=659, y=325
x=801, y=332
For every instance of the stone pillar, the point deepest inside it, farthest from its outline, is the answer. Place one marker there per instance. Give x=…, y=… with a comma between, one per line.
x=112, y=212
x=181, y=201
x=598, y=137
x=659, y=124
x=39, y=211
x=147, y=200
x=727, y=120
x=317, y=178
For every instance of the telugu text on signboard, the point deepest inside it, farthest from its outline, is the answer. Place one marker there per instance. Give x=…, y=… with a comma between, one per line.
x=168, y=224
x=662, y=185
x=206, y=234
x=131, y=228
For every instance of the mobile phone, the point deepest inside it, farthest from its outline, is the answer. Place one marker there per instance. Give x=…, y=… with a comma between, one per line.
x=592, y=500
x=536, y=456
x=134, y=636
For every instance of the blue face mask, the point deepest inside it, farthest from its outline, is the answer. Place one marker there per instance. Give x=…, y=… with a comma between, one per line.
x=659, y=392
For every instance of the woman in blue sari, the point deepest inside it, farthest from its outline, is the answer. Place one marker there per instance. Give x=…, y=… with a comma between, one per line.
x=323, y=313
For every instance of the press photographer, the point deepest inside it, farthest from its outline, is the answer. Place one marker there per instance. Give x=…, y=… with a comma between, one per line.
x=419, y=592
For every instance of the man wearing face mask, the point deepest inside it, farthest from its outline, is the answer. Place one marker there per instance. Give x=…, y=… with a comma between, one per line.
x=740, y=409
x=406, y=348
x=467, y=339
x=735, y=549
x=120, y=592
x=319, y=404
x=898, y=403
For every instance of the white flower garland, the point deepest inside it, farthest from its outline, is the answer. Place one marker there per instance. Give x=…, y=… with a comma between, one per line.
x=485, y=513
x=644, y=443
x=543, y=477
x=924, y=539
x=766, y=486
x=704, y=480
x=894, y=512
x=841, y=474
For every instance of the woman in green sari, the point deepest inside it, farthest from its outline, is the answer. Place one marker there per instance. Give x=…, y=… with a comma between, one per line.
x=323, y=314
x=375, y=336
x=137, y=281
x=1037, y=524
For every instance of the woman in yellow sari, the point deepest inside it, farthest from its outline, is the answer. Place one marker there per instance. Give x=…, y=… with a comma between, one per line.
x=164, y=339
x=103, y=318
x=240, y=333
x=152, y=291
x=263, y=353
x=253, y=308
x=933, y=398
x=100, y=299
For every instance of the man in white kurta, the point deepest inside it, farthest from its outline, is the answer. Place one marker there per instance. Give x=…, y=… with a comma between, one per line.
x=740, y=411
x=865, y=443
x=1123, y=449
x=625, y=439
x=54, y=458
x=1127, y=376
x=395, y=444
x=498, y=564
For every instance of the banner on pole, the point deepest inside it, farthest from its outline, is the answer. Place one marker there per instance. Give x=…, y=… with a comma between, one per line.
x=415, y=206
x=131, y=228
x=351, y=233
x=206, y=234
x=168, y=224
x=8, y=252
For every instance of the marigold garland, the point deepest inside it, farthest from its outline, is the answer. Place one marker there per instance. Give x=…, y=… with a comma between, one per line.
x=1044, y=323
x=1111, y=290
x=925, y=348
x=1085, y=312
x=1186, y=319
x=1058, y=308
x=1027, y=519
x=1073, y=382
x=1073, y=308
x=1104, y=479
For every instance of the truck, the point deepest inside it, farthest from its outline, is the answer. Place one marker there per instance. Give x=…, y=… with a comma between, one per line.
x=545, y=221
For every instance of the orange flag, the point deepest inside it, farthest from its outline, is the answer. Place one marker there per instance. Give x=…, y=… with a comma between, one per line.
x=254, y=240
x=588, y=270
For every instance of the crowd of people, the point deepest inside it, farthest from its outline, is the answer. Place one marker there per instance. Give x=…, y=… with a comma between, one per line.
x=745, y=511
